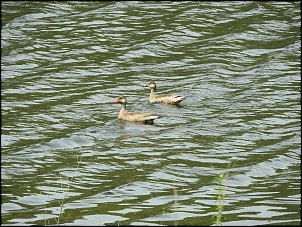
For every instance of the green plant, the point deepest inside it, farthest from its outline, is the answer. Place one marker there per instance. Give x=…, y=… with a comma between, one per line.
x=220, y=200
x=221, y=193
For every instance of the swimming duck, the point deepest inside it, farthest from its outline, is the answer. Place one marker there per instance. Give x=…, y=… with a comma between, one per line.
x=143, y=117
x=167, y=98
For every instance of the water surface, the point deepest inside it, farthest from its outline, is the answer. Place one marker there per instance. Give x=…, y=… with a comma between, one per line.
x=67, y=159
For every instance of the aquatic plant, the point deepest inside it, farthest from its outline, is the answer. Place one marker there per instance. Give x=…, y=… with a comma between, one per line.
x=220, y=199
x=221, y=193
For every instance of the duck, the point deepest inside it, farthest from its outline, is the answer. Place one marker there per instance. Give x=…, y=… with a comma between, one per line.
x=166, y=98
x=142, y=117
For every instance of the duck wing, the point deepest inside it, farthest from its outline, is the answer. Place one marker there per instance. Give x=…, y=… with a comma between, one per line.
x=169, y=98
x=140, y=116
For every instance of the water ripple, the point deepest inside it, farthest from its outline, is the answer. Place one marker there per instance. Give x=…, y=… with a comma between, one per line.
x=237, y=64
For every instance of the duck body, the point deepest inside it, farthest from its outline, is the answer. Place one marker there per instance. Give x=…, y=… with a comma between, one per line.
x=166, y=98
x=143, y=117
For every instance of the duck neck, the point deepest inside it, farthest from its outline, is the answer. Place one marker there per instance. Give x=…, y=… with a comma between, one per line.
x=122, y=111
x=152, y=94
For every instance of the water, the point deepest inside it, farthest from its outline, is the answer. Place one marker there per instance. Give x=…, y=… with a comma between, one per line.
x=66, y=159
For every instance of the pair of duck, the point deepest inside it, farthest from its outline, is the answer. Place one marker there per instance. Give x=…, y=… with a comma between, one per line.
x=146, y=117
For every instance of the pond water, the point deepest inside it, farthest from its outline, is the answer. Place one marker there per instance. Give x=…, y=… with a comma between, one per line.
x=229, y=154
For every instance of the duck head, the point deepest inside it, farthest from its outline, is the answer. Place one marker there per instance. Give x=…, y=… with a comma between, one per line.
x=121, y=100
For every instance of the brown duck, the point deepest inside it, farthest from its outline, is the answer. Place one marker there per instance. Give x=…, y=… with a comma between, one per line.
x=166, y=98
x=143, y=117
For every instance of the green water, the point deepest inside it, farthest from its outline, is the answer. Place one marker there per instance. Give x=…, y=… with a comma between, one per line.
x=237, y=64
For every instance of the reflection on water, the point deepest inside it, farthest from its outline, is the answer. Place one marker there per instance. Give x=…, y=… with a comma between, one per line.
x=67, y=159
